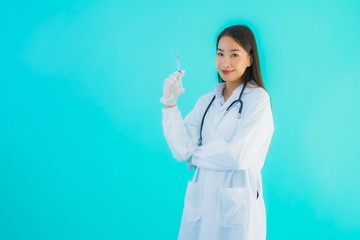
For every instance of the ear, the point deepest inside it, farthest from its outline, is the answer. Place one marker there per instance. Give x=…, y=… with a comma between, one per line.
x=250, y=60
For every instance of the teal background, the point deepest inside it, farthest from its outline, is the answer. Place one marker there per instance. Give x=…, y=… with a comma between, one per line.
x=82, y=153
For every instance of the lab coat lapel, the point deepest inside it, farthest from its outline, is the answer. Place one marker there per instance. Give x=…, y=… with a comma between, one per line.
x=220, y=106
x=234, y=96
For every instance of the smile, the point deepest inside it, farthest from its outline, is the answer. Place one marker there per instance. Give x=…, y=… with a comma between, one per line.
x=226, y=72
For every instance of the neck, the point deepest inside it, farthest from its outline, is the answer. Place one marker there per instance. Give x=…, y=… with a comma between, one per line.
x=229, y=88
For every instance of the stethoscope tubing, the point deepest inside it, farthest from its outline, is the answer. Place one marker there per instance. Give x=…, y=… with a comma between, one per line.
x=232, y=104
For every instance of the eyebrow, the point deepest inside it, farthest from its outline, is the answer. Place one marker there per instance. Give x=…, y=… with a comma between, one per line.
x=231, y=50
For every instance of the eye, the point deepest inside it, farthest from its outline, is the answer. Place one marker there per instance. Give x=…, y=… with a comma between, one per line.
x=235, y=55
x=220, y=54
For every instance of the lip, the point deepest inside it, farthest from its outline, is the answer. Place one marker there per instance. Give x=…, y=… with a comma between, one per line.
x=226, y=72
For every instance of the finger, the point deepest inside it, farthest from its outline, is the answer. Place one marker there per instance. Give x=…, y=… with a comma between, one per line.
x=178, y=74
x=181, y=73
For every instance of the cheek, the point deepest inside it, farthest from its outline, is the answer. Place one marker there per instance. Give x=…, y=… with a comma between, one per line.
x=240, y=63
x=217, y=62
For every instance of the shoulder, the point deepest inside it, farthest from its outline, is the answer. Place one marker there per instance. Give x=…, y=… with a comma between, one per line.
x=256, y=93
x=206, y=97
x=218, y=89
x=204, y=100
x=257, y=98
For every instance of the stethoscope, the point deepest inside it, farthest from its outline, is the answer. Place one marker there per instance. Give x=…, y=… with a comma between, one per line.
x=232, y=104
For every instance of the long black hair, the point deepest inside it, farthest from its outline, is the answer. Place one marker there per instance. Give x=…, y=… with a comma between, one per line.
x=245, y=38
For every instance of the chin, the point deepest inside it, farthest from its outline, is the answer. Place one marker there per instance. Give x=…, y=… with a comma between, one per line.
x=227, y=79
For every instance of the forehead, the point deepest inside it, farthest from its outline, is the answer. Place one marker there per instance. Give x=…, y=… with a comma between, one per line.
x=227, y=43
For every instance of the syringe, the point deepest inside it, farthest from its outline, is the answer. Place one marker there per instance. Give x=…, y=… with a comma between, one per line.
x=178, y=61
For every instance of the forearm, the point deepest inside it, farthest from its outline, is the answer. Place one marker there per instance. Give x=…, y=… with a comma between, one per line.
x=178, y=137
x=249, y=145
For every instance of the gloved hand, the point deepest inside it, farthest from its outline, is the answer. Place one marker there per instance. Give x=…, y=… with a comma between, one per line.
x=172, y=88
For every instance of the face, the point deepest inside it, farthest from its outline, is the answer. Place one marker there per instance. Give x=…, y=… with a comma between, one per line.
x=231, y=60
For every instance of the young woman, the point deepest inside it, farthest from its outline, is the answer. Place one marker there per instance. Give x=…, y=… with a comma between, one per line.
x=226, y=137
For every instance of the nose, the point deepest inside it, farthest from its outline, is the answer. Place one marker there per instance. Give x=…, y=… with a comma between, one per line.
x=225, y=63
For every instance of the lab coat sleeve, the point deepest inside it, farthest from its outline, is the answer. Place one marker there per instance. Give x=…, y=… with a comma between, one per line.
x=182, y=135
x=248, y=146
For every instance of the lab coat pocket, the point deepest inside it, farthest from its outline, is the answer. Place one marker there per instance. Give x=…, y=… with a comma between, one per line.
x=192, y=206
x=233, y=208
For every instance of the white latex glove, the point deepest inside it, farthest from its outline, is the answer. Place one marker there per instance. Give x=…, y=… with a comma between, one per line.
x=172, y=88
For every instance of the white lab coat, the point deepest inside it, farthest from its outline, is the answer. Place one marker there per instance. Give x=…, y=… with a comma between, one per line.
x=224, y=200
